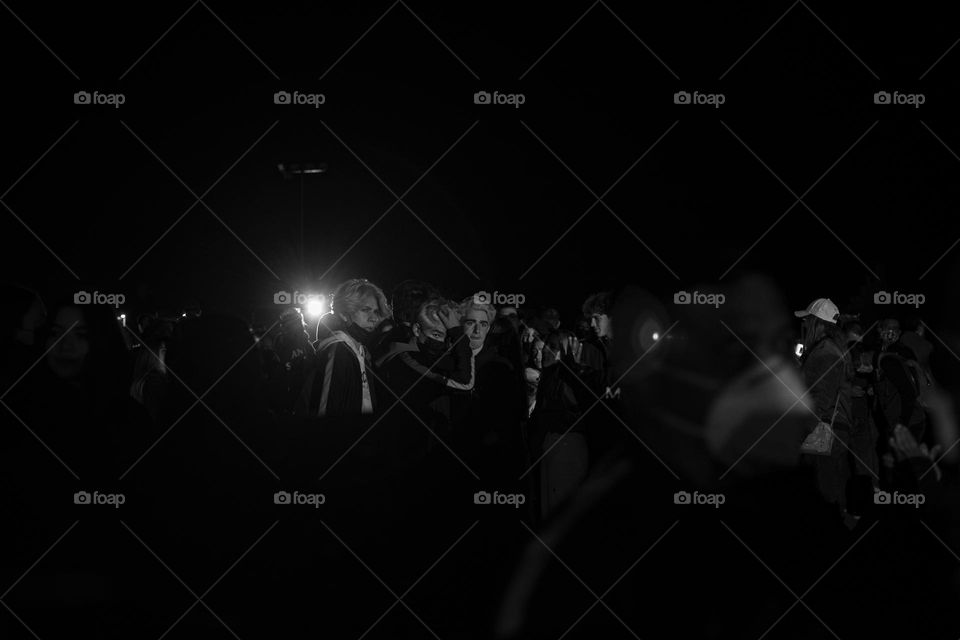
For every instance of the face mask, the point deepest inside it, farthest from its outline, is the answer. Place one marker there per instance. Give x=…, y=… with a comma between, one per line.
x=433, y=348
x=361, y=335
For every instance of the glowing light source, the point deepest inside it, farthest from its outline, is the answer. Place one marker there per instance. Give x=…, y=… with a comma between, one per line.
x=315, y=305
x=656, y=335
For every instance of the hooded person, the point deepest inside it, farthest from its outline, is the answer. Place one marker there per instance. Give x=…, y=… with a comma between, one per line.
x=337, y=383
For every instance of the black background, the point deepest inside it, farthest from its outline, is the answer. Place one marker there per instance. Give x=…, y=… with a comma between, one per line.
x=599, y=99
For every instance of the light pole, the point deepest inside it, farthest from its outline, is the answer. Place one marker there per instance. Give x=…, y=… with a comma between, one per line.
x=301, y=169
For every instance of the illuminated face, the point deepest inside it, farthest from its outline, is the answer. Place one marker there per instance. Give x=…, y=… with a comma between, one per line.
x=601, y=324
x=67, y=357
x=367, y=316
x=476, y=325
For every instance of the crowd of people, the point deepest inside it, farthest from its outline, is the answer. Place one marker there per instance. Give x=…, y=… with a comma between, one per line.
x=408, y=406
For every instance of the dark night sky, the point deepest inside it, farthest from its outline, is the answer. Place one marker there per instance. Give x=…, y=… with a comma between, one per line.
x=499, y=199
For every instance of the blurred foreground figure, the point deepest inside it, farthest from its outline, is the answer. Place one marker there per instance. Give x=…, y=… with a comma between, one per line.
x=709, y=493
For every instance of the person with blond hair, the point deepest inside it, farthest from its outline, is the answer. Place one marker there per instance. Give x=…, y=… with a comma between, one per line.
x=338, y=383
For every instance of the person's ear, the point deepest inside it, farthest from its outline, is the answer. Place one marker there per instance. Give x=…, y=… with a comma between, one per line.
x=416, y=329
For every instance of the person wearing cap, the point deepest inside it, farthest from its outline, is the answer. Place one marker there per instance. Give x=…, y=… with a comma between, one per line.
x=827, y=372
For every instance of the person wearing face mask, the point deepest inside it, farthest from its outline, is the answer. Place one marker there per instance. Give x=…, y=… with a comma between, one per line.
x=434, y=363
x=338, y=381
x=406, y=300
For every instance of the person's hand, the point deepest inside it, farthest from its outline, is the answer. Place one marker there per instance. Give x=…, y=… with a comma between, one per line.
x=905, y=445
x=450, y=316
x=575, y=349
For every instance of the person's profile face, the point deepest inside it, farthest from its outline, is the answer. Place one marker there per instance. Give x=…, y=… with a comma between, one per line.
x=600, y=322
x=367, y=316
x=66, y=359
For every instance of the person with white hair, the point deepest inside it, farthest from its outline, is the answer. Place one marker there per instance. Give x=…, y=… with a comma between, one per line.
x=489, y=418
x=338, y=383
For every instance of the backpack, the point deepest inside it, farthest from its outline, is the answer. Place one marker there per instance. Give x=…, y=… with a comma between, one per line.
x=919, y=379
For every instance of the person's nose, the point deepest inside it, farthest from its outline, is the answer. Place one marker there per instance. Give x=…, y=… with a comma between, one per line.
x=67, y=345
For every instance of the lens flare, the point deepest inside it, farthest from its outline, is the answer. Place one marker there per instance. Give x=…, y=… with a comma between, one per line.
x=315, y=306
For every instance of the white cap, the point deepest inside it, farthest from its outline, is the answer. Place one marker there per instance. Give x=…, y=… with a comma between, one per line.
x=822, y=308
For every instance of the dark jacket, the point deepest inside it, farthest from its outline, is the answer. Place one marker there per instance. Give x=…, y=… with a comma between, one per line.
x=896, y=392
x=334, y=381
x=409, y=375
x=828, y=375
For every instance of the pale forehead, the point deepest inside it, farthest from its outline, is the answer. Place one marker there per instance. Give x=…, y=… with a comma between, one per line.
x=479, y=315
x=368, y=300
